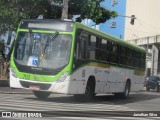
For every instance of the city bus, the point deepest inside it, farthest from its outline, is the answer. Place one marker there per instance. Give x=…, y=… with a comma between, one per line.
x=58, y=56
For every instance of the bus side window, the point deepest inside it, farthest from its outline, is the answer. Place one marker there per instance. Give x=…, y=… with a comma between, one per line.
x=104, y=49
x=134, y=58
x=114, y=53
x=128, y=56
x=122, y=55
x=143, y=61
x=81, y=44
x=92, y=47
x=98, y=51
x=109, y=48
x=139, y=60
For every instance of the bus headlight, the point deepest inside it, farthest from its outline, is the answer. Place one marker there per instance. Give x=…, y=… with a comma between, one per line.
x=13, y=73
x=62, y=78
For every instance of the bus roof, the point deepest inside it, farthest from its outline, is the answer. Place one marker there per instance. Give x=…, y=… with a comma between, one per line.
x=82, y=26
x=113, y=38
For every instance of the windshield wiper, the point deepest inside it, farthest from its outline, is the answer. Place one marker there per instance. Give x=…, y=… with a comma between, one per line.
x=51, y=38
x=47, y=44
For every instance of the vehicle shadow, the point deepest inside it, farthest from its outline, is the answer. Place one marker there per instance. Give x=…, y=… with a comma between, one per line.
x=103, y=99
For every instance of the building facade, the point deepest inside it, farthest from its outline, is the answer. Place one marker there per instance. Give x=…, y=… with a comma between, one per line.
x=115, y=26
x=147, y=19
x=146, y=22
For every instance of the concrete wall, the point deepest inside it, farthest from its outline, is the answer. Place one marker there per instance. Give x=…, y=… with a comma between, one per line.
x=148, y=18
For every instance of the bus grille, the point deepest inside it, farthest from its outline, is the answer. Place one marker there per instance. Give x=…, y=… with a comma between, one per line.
x=42, y=86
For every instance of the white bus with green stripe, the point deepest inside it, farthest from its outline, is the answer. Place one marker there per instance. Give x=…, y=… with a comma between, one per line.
x=55, y=56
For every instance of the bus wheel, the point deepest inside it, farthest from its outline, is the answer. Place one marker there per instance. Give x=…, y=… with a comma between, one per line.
x=89, y=92
x=127, y=90
x=41, y=94
x=125, y=94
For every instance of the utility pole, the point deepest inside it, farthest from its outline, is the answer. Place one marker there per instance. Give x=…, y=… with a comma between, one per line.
x=65, y=9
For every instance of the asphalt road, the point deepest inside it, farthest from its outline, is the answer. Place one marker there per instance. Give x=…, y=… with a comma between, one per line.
x=59, y=105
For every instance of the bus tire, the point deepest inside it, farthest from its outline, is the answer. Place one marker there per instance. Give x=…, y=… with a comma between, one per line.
x=41, y=94
x=124, y=94
x=89, y=92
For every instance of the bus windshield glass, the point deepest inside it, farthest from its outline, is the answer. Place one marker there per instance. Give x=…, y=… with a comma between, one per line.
x=43, y=50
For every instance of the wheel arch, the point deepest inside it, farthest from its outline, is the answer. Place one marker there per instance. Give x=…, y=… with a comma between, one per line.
x=92, y=79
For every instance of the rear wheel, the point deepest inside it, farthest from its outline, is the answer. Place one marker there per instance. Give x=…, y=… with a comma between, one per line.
x=89, y=92
x=41, y=94
x=125, y=94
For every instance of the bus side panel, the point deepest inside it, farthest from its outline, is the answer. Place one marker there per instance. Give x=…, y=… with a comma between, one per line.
x=117, y=79
x=138, y=80
x=14, y=82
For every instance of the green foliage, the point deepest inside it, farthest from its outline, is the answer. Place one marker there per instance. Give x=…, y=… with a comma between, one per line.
x=90, y=9
x=10, y=11
x=8, y=16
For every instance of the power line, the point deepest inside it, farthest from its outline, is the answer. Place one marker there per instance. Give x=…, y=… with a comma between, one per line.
x=149, y=27
x=134, y=29
x=155, y=27
x=133, y=17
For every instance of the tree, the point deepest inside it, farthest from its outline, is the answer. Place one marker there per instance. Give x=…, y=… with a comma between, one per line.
x=2, y=51
x=10, y=9
x=90, y=9
x=50, y=9
x=8, y=16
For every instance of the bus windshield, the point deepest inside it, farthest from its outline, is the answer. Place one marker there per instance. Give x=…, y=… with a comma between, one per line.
x=43, y=50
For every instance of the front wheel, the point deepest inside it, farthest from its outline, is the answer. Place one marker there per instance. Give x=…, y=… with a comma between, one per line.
x=41, y=94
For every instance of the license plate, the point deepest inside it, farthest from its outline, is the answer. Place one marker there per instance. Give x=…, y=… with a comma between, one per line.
x=34, y=88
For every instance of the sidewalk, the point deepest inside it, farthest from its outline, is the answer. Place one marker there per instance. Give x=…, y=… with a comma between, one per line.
x=8, y=90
